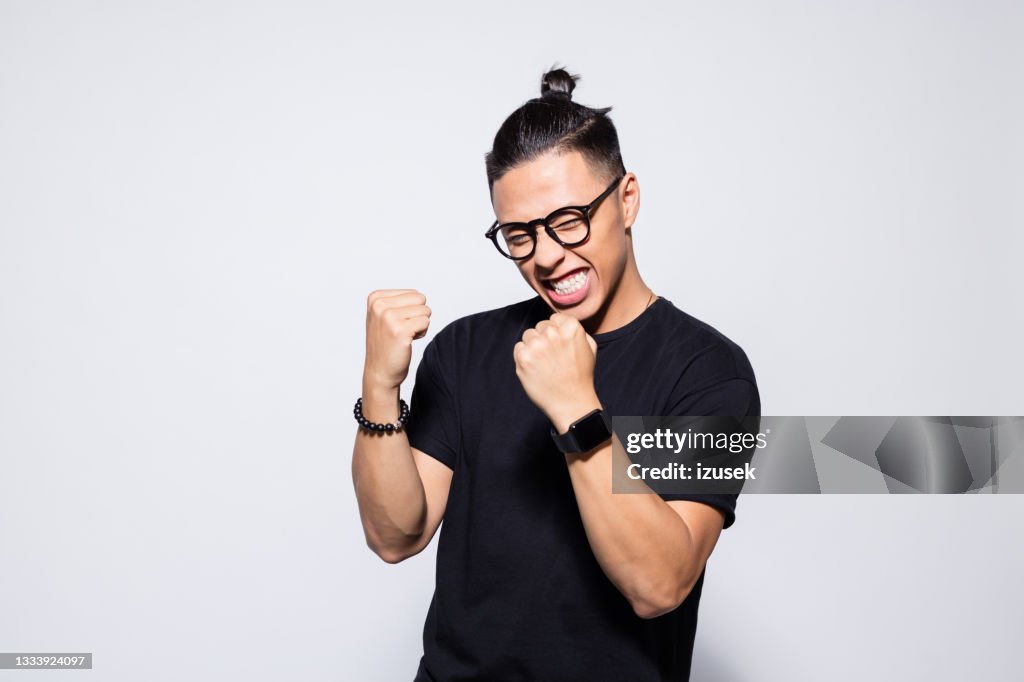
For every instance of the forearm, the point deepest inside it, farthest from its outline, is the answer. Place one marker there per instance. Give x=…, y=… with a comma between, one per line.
x=641, y=543
x=389, y=491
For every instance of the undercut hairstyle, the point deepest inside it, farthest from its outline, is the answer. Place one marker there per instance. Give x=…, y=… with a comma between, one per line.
x=554, y=122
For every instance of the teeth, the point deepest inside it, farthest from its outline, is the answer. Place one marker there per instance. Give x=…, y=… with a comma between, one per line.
x=571, y=284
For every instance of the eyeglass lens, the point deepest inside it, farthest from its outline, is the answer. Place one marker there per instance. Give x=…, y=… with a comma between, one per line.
x=570, y=227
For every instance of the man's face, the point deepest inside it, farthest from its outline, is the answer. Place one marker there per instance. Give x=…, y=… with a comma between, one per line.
x=587, y=275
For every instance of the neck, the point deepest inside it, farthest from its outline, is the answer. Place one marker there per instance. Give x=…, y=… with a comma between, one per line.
x=623, y=305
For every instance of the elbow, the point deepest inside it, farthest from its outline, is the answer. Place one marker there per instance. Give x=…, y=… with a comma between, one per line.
x=655, y=603
x=652, y=608
x=391, y=557
x=391, y=554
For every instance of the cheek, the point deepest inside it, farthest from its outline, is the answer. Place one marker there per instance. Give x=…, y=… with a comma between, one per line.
x=611, y=262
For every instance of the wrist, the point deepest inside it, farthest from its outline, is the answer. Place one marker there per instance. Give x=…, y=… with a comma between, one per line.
x=380, y=403
x=563, y=417
x=379, y=381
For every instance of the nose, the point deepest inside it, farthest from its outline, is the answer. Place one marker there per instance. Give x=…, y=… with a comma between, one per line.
x=548, y=253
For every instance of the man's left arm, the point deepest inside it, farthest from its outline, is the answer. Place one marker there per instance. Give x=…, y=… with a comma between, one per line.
x=652, y=550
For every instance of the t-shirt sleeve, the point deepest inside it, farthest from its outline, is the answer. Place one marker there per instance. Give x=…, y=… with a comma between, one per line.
x=432, y=426
x=712, y=387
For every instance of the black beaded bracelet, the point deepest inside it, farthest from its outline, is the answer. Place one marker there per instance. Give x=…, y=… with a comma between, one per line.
x=403, y=417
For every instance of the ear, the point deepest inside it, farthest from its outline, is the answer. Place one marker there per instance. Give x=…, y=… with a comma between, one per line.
x=630, y=199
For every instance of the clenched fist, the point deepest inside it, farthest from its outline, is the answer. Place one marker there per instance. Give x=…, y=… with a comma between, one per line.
x=555, y=364
x=394, y=319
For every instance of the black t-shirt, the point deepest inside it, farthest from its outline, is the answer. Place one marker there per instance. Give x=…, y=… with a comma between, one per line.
x=519, y=594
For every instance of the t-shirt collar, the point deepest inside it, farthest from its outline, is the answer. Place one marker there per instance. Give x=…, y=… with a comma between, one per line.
x=628, y=328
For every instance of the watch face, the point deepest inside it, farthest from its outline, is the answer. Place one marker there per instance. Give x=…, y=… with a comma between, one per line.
x=591, y=431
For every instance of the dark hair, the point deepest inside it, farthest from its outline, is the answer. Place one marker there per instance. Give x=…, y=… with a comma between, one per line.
x=554, y=122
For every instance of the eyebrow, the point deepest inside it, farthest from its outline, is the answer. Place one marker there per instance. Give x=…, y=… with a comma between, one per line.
x=523, y=222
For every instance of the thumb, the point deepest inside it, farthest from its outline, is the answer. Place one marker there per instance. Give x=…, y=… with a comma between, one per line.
x=591, y=342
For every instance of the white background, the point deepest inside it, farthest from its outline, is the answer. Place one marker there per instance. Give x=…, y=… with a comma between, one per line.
x=196, y=197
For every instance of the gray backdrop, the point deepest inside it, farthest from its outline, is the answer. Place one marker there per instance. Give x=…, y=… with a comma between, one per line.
x=196, y=197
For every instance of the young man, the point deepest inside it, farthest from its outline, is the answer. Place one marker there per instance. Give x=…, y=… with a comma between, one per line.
x=542, y=572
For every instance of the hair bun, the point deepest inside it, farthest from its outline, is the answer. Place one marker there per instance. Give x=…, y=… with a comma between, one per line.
x=557, y=82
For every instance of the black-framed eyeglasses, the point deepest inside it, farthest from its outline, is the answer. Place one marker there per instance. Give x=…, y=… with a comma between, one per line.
x=569, y=226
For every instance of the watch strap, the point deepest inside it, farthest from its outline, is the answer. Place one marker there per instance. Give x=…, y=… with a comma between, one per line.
x=584, y=434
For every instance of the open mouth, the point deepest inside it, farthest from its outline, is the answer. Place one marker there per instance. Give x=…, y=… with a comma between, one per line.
x=570, y=288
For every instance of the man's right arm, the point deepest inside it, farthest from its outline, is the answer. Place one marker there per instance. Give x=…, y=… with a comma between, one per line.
x=401, y=491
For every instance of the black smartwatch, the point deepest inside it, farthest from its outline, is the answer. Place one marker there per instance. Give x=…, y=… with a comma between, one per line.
x=584, y=434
